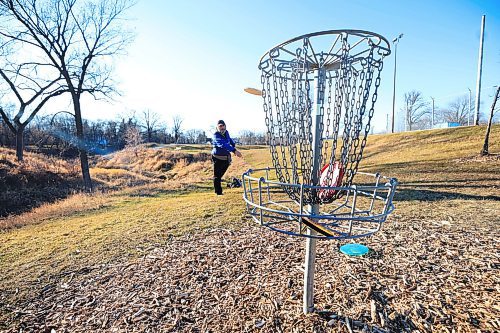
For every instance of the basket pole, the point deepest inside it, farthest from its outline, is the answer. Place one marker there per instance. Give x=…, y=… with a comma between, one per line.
x=310, y=256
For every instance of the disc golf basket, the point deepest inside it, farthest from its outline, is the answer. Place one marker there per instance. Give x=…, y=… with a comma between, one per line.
x=319, y=91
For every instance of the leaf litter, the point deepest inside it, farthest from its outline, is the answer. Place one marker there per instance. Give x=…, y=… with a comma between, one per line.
x=421, y=275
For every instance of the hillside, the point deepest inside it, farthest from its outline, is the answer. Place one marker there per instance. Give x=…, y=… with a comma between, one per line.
x=35, y=181
x=160, y=252
x=39, y=180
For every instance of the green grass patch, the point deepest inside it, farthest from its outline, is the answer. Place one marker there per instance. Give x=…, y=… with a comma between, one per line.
x=121, y=230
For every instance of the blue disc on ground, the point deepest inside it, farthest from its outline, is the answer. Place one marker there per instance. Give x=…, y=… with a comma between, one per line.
x=354, y=249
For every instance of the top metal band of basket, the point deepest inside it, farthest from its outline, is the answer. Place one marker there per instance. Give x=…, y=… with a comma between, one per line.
x=325, y=50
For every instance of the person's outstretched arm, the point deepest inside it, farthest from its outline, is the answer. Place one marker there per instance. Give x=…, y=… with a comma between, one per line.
x=232, y=143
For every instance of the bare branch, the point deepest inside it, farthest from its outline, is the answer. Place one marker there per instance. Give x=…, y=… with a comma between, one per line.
x=6, y=119
x=415, y=108
x=457, y=111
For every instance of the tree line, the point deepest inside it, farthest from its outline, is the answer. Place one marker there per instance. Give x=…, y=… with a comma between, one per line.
x=421, y=113
x=56, y=133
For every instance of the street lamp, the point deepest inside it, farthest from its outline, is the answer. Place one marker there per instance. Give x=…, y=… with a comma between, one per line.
x=432, y=117
x=395, y=41
x=468, y=113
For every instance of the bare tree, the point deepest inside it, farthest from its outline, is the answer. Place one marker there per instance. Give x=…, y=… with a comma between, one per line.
x=176, y=127
x=150, y=122
x=201, y=137
x=133, y=137
x=457, y=111
x=191, y=135
x=78, y=38
x=415, y=108
x=31, y=90
x=195, y=136
x=484, y=151
x=62, y=128
x=248, y=137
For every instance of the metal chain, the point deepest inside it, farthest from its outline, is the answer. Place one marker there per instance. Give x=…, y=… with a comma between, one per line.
x=328, y=118
x=342, y=91
x=305, y=119
x=361, y=107
x=274, y=138
x=289, y=116
x=337, y=113
x=299, y=104
x=348, y=111
x=294, y=125
x=281, y=124
x=321, y=92
x=357, y=126
x=377, y=65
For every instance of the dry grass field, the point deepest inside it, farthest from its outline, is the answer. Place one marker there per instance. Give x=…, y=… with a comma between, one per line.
x=38, y=179
x=155, y=251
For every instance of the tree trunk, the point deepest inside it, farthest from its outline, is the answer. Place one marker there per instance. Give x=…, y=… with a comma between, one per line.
x=84, y=160
x=20, y=143
x=484, y=151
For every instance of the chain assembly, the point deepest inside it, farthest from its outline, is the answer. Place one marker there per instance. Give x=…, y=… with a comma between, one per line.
x=340, y=113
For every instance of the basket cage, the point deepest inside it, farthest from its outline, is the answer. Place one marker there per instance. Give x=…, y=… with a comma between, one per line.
x=319, y=92
x=318, y=107
x=361, y=211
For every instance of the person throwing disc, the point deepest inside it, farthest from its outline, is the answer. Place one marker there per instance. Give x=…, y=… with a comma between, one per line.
x=223, y=146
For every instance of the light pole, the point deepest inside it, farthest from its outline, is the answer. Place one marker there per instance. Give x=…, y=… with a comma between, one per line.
x=468, y=113
x=432, y=118
x=479, y=73
x=395, y=41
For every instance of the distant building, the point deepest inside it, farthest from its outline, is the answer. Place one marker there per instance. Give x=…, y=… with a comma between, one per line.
x=446, y=125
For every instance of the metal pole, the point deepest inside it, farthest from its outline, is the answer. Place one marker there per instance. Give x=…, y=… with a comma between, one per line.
x=479, y=72
x=395, y=41
x=308, y=297
x=432, y=118
x=468, y=113
x=406, y=118
x=394, y=87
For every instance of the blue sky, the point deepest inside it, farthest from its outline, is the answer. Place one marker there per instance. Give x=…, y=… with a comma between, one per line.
x=194, y=58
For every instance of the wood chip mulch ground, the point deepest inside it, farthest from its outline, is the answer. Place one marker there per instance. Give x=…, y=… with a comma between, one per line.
x=418, y=277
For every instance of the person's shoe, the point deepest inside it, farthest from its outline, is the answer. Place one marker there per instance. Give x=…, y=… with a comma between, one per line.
x=219, y=193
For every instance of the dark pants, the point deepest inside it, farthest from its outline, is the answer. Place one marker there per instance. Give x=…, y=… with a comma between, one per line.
x=220, y=167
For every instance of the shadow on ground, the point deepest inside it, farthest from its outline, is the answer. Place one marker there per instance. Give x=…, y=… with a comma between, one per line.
x=416, y=194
